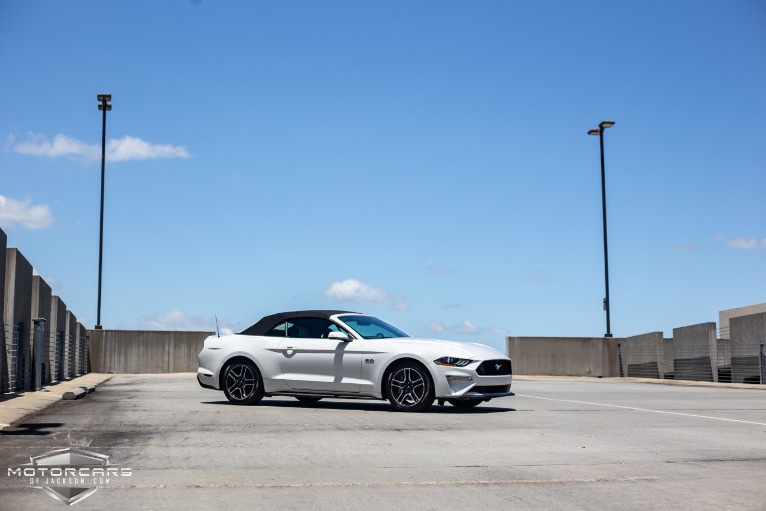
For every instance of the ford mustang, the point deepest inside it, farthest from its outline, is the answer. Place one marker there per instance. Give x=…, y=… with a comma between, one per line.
x=311, y=355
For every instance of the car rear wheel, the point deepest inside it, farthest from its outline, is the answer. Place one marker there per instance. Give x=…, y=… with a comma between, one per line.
x=409, y=387
x=465, y=403
x=242, y=383
x=307, y=399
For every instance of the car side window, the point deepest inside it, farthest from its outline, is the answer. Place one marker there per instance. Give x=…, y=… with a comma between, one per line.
x=311, y=328
x=278, y=331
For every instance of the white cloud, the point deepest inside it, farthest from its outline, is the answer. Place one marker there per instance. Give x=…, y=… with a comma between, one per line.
x=356, y=291
x=353, y=290
x=745, y=243
x=437, y=327
x=178, y=320
x=466, y=327
x=117, y=149
x=24, y=214
x=132, y=148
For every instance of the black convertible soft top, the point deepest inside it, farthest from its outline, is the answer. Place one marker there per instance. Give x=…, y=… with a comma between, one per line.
x=268, y=322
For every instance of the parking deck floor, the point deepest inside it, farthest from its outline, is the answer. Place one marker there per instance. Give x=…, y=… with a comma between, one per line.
x=559, y=444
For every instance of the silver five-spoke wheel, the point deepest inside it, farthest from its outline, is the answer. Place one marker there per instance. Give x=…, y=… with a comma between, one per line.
x=409, y=387
x=242, y=383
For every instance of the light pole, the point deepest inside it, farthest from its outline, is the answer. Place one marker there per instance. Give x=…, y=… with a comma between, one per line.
x=104, y=106
x=600, y=132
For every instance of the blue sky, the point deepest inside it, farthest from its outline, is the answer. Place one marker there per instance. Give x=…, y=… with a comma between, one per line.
x=425, y=161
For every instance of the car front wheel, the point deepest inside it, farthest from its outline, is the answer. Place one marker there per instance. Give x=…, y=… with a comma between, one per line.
x=242, y=383
x=409, y=387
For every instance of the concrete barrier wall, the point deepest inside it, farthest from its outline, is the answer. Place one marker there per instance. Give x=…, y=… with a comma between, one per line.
x=3, y=248
x=23, y=298
x=58, y=326
x=564, y=356
x=83, y=362
x=643, y=356
x=41, y=309
x=142, y=351
x=725, y=317
x=4, y=369
x=695, y=352
x=747, y=333
x=70, y=338
x=16, y=315
x=667, y=348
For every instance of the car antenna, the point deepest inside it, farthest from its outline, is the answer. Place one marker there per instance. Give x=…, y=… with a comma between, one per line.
x=217, y=331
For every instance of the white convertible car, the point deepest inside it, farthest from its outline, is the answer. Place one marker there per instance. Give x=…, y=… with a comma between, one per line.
x=311, y=355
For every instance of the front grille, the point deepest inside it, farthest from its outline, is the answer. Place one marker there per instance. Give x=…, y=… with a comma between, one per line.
x=495, y=368
x=491, y=389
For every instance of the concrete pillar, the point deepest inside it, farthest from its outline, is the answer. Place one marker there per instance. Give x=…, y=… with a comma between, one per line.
x=695, y=353
x=747, y=333
x=37, y=343
x=82, y=334
x=98, y=361
x=643, y=356
x=4, y=373
x=57, y=330
x=70, y=336
x=17, y=314
x=41, y=309
x=76, y=350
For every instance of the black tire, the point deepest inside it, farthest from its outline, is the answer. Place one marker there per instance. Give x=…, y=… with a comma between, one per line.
x=409, y=387
x=465, y=403
x=242, y=383
x=308, y=399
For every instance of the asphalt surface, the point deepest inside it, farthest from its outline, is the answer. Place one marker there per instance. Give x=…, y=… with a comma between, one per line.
x=559, y=444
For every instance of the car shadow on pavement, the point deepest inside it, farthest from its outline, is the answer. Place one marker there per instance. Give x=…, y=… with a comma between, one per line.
x=369, y=406
x=32, y=429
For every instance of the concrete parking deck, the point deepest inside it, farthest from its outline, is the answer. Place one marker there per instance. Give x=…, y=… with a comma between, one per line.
x=559, y=444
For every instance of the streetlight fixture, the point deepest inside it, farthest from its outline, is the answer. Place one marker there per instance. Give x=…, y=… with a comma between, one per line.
x=600, y=132
x=104, y=106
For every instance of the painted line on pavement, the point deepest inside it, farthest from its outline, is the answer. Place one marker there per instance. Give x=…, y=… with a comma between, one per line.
x=645, y=410
x=393, y=483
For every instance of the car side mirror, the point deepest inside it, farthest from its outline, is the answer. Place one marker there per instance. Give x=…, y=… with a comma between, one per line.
x=339, y=336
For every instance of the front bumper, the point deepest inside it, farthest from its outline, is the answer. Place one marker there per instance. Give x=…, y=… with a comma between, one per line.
x=453, y=383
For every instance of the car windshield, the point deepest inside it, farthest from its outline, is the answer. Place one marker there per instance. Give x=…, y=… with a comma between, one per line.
x=371, y=327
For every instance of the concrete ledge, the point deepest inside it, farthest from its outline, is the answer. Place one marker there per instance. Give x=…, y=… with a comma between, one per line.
x=88, y=388
x=73, y=394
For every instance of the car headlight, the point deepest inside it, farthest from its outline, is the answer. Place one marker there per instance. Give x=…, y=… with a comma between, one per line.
x=453, y=361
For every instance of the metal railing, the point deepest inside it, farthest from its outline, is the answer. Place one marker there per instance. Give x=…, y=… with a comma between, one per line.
x=62, y=357
x=10, y=358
